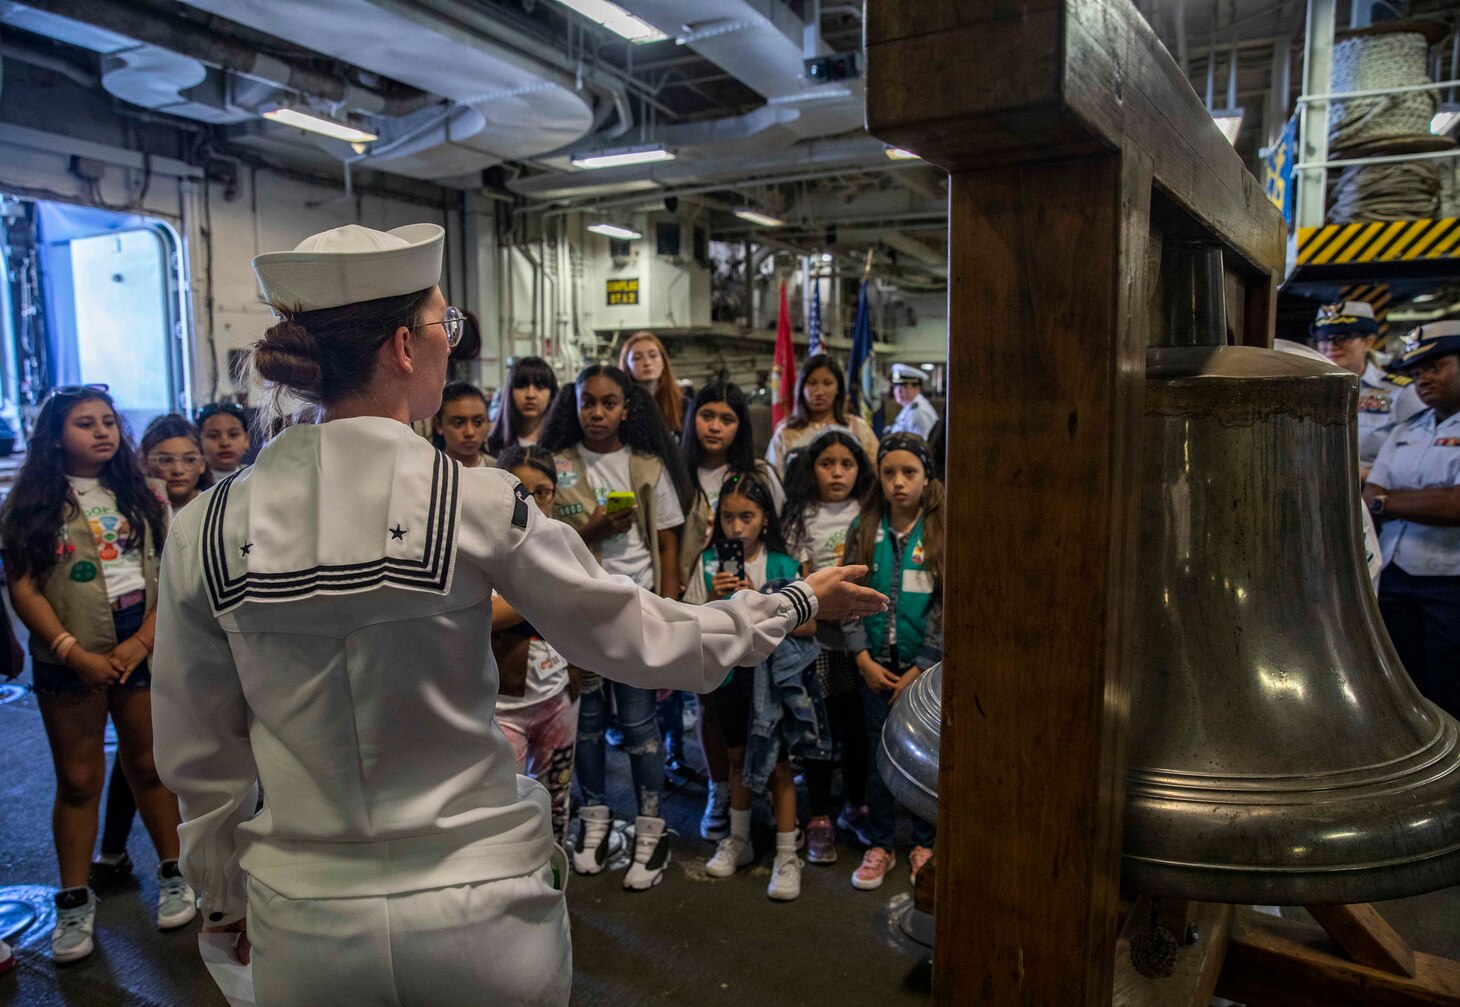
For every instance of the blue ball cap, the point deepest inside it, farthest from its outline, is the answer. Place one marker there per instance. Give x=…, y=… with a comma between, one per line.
x=1427, y=342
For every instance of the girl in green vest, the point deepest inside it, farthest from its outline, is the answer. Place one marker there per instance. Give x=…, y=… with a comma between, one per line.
x=899, y=535
x=607, y=438
x=81, y=532
x=745, y=512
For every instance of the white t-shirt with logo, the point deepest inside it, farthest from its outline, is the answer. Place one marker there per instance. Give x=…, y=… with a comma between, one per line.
x=547, y=675
x=628, y=553
x=825, y=538
x=121, y=570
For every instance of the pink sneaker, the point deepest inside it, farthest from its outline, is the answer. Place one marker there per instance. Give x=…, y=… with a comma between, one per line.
x=876, y=862
x=918, y=859
x=820, y=841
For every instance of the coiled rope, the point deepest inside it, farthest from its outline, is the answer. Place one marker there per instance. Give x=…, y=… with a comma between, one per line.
x=1382, y=124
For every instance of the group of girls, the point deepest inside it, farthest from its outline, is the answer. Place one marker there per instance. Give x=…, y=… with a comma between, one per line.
x=81, y=533
x=662, y=514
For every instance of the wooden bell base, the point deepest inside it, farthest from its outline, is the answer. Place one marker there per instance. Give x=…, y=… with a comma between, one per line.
x=1268, y=961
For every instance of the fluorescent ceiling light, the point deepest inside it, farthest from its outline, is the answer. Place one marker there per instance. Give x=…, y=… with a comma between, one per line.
x=898, y=154
x=646, y=155
x=319, y=124
x=616, y=19
x=756, y=217
x=927, y=367
x=825, y=256
x=1445, y=119
x=1230, y=123
x=615, y=231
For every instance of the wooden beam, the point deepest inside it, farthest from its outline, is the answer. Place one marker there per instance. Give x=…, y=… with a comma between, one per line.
x=1366, y=937
x=1197, y=965
x=1283, y=963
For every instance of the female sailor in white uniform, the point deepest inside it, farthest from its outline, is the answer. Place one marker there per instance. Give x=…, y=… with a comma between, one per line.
x=324, y=630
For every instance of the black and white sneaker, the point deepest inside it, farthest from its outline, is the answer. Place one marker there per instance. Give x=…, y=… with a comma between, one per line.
x=651, y=854
x=594, y=844
x=715, y=822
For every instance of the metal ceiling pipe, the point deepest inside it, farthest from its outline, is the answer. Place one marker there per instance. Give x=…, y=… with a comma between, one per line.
x=213, y=49
x=46, y=61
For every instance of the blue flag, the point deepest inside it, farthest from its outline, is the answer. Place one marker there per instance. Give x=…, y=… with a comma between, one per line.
x=813, y=325
x=859, y=372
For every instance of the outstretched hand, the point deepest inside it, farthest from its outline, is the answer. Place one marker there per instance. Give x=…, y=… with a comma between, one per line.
x=839, y=598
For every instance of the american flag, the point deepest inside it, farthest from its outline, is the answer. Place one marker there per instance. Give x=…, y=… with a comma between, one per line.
x=813, y=326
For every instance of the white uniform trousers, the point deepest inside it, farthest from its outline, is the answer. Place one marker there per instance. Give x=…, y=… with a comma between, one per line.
x=495, y=944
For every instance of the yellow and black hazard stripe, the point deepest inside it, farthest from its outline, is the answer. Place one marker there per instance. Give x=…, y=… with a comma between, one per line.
x=1379, y=241
x=1376, y=295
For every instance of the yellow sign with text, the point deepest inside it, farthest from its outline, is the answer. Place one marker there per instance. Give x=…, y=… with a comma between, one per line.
x=624, y=290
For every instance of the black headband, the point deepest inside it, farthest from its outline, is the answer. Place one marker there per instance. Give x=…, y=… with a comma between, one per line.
x=906, y=442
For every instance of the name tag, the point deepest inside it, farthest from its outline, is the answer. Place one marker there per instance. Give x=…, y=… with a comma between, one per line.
x=917, y=582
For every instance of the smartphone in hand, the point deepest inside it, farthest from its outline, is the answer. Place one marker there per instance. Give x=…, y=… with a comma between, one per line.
x=618, y=501
x=732, y=557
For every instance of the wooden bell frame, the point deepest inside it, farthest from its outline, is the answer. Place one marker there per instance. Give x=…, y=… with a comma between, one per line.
x=1076, y=148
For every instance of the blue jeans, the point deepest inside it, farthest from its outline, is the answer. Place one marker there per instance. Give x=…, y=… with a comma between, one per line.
x=1422, y=615
x=636, y=717
x=881, y=805
x=57, y=679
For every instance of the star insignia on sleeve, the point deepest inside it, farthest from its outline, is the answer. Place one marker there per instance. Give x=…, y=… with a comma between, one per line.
x=398, y=534
x=246, y=548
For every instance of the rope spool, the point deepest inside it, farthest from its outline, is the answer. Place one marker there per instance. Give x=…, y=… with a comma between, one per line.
x=1395, y=56
x=1366, y=62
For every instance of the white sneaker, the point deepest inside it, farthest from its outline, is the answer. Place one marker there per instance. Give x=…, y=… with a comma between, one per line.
x=71, y=940
x=594, y=844
x=715, y=822
x=785, y=877
x=176, y=904
x=730, y=855
x=651, y=854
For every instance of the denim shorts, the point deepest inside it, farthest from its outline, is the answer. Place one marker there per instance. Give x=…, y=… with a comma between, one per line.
x=57, y=679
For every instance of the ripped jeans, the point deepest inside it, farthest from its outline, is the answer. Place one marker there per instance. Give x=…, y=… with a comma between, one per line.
x=636, y=717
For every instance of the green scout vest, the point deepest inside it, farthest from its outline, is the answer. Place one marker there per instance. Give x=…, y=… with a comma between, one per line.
x=778, y=566
x=915, y=594
x=76, y=586
x=575, y=500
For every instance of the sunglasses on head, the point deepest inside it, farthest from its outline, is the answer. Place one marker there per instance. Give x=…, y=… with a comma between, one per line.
x=64, y=391
x=228, y=408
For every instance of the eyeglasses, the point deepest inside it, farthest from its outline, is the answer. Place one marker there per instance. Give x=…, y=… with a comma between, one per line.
x=454, y=322
x=544, y=494
x=68, y=390
x=167, y=461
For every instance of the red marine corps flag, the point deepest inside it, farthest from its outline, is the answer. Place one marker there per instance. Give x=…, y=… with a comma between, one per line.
x=783, y=373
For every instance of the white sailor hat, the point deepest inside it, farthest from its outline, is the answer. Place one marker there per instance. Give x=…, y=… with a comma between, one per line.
x=1433, y=340
x=1344, y=318
x=351, y=264
x=906, y=374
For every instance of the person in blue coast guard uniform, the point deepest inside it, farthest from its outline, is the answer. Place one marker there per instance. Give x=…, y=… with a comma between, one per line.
x=917, y=415
x=1345, y=333
x=1413, y=491
x=324, y=629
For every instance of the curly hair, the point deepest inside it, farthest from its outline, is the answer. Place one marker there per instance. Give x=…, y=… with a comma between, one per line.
x=753, y=487
x=523, y=372
x=39, y=503
x=802, y=491
x=642, y=430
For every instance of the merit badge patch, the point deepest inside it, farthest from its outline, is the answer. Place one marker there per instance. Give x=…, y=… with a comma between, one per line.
x=917, y=556
x=568, y=510
x=83, y=572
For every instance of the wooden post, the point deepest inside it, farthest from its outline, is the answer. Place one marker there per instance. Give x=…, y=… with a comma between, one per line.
x=1074, y=145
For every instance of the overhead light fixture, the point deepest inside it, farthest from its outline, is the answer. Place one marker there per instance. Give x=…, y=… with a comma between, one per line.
x=617, y=159
x=898, y=154
x=825, y=256
x=927, y=367
x=1445, y=119
x=331, y=128
x=615, y=231
x=756, y=217
x=616, y=19
x=1229, y=121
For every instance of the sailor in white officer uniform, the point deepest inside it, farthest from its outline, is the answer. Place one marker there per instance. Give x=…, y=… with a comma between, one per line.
x=324, y=629
x=1413, y=491
x=917, y=415
x=1345, y=333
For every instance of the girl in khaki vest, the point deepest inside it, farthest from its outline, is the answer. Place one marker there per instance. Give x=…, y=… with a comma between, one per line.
x=607, y=438
x=82, y=530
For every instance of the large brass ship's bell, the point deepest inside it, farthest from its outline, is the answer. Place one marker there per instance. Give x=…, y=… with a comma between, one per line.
x=1278, y=751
